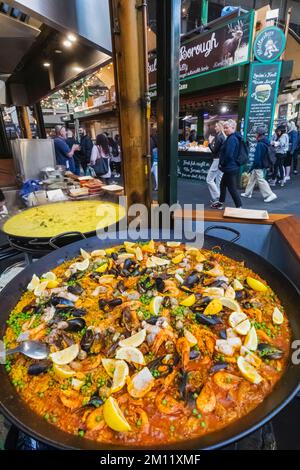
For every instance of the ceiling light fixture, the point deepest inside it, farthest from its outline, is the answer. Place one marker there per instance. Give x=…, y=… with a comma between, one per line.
x=224, y=109
x=46, y=64
x=72, y=37
x=78, y=69
x=67, y=43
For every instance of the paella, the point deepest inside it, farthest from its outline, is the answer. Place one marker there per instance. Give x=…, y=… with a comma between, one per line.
x=149, y=343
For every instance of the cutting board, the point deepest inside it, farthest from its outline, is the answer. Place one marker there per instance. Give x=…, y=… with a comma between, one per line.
x=246, y=213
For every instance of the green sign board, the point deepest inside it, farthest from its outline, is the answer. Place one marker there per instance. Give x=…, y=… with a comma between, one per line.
x=261, y=100
x=269, y=44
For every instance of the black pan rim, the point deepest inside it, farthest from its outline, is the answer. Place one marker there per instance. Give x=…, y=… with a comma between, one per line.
x=188, y=444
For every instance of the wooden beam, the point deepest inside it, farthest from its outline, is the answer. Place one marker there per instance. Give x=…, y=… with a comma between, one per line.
x=129, y=38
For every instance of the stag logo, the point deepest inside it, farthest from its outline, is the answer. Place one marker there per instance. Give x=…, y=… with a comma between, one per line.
x=231, y=45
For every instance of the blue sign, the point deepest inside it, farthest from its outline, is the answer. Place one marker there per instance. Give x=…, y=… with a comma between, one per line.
x=269, y=44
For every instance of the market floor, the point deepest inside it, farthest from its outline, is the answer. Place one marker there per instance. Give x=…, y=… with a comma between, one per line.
x=288, y=197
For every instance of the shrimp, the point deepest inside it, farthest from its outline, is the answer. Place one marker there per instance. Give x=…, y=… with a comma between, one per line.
x=167, y=405
x=206, y=340
x=161, y=337
x=206, y=401
x=95, y=420
x=70, y=399
x=183, y=348
x=170, y=288
x=38, y=332
x=217, y=270
x=225, y=380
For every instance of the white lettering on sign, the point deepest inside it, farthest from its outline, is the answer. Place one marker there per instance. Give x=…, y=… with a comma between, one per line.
x=202, y=48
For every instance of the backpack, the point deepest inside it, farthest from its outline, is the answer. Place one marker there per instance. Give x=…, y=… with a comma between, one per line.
x=269, y=158
x=243, y=156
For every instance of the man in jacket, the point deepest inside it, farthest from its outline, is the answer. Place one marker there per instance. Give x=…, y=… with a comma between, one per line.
x=86, y=145
x=229, y=165
x=257, y=169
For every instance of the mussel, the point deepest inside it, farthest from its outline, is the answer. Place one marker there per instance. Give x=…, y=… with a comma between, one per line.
x=78, y=312
x=61, y=301
x=75, y=289
x=159, y=284
x=94, y=401
x=114, y=302
x=121, y=287
x=39, y=367
x=145, y=285
x=219, y=283
x=218, y=366
x=194, y=354
x=87, y=340
x=269, y=352
x=75, y=324
x=152, y=320
x=166, y=301
x=209, y=320
x=129, y=264
x=114, y=256
x=130, y=319
x=201, y=303
x=191, y=279
x=223, y=334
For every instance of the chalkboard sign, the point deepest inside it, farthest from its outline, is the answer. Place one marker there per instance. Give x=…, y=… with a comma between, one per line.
x=261, y=100
x=193, y=168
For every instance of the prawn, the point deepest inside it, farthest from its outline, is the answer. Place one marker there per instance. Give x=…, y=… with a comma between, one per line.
x=183, y=348
x=170, y=288
x=161, y=337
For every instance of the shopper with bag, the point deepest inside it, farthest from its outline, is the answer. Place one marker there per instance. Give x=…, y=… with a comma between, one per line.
x=280, y=142
x=263, y=160
x=100, y=158
x=214, y=174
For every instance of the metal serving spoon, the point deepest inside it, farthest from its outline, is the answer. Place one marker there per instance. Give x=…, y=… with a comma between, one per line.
x=33, y=349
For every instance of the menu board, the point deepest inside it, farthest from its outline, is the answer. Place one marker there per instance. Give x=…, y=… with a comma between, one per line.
x=194, y=168
x=261, y=100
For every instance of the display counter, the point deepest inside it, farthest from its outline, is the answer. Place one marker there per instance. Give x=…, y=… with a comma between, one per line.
x=193, y=164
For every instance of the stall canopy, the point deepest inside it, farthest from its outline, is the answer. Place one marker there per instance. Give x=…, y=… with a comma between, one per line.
x=35, y=61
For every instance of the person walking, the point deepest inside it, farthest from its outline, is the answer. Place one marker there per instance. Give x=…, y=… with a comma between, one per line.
x=63, y=153
x=115, y=161
x=70, y=140
x=257, y=169
x=280, y=141
x=86, y=145
x=214, y=174
x=229, y=165
x=100, y=157
x=293, y=149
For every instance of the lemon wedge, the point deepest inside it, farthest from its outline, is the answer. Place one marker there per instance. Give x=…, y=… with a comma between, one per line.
x=34, y=283
x=277, y=316
x=114, y=417
x=256, y=285
x=190, y=337
x=120, y=374
x=102, y=268
x=243, y=327
x=84, y=254
x=230, y=292
x=250, y=356
x=251, y=340
x=235, y=318
x=82, y=265
x=173, y=244
x=139, y=254
x=149, y=247
x=155, y=305
x=65, y=356
x=188, y=301
x=50, y=276
x=52, y=284
x=40, y=289
x=135, y=340
x=237, y=285
x=159, y=261
x=214, y=307
x=63, y=372
x=130, y=247
x=98, y=253
x=248, y=371
x=140, y=383
x=109, y=365
x=130, y=354
x=230, y=303
x=177, y=259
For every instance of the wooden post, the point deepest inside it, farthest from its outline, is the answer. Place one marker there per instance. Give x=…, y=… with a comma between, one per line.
x=129, y=36
x=24, y=122
x=286, y=28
